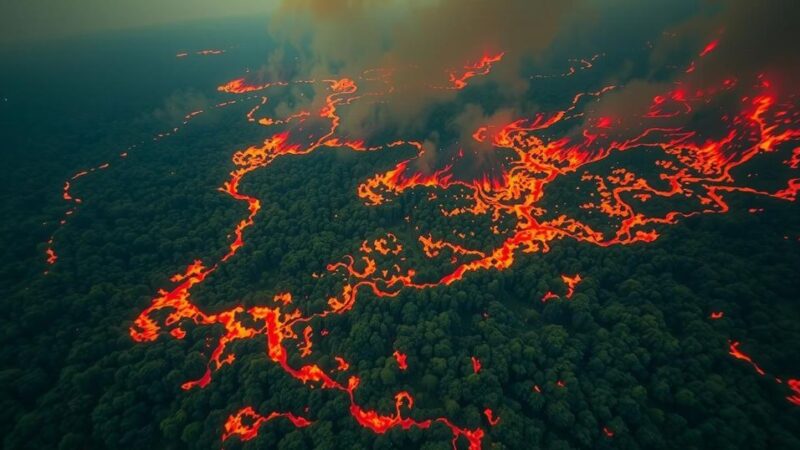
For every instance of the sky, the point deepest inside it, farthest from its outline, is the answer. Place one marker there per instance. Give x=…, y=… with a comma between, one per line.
x=26, y=20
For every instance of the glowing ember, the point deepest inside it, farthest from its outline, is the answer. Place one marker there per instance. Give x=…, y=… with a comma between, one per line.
x=549, y=296
x=342, y=364
x=794, y=385
x=490, y=417
x=736, y=353
x=571, y=282
x=401, y=360
x=51, y=256
x=481, y=67
x=709, y=48
x=235, y=424
x=476, y=365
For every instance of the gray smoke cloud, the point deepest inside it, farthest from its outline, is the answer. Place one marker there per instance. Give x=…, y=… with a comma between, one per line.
x=425, y=39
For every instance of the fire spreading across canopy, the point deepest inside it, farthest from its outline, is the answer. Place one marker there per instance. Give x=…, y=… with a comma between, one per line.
x=696, y=172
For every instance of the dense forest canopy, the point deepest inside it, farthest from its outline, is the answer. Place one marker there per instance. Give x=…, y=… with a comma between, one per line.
x=487, y=243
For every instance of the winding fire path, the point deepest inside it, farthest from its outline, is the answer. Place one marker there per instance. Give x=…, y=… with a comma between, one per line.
x=695, y=170
x=276, y=323
x=74, y=202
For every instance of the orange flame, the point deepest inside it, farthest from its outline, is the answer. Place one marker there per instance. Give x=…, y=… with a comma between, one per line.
x=490, y=417
x=401, y=360
x=476, y=364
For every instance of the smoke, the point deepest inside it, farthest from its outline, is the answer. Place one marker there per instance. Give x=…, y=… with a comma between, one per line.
x=745, y=41
x=423, y=41
x=754, y=38
x=177, y=105
x=356, y=35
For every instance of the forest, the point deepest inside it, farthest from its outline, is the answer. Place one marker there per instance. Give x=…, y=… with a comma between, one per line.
x=690, y=340
x=635, y=348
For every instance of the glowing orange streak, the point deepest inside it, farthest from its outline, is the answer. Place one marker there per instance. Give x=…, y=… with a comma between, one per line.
x=571, y=282
x=734, y=351
x=432, y=247
x=401, y=360
x=794, y=161
x=481, y=67
x=717, y=315
x=490, y=417
x=235, y=425
x=793, y=384
x=342, y=364
x=251, y=114
x=51, y=256
x=476, y=364
x=241, y=86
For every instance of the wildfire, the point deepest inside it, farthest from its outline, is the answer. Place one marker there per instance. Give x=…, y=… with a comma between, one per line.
x=549, y=295
x=459, y=79
x=709, y=47
x=695, y=170
x=794, y=385
x=235, y=424
x=342, y=364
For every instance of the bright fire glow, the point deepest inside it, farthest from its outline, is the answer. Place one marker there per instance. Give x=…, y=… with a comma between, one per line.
x=696, y=173
x=696, y=170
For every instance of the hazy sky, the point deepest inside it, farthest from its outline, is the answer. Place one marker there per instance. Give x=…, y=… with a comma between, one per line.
x=22, y=20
